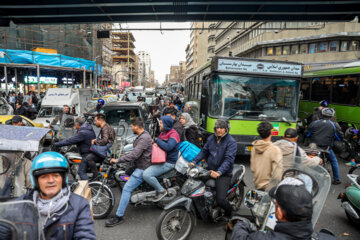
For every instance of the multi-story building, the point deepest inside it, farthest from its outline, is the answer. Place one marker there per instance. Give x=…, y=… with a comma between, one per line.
x=124, y=59
x=144, y=65
x=197, y=50
x=174, y=74
x=306, y=42
x=106, y=57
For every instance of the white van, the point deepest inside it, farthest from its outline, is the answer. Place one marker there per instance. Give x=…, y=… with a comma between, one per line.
x=56, y=98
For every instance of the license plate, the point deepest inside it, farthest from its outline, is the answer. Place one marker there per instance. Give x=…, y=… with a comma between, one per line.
x=248, y=148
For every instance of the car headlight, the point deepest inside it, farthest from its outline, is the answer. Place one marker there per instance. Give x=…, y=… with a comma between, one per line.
x=193, y=172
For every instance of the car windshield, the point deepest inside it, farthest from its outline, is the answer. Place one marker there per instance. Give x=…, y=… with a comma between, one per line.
x=113, y=115
x=255, y=97
x=46, y=112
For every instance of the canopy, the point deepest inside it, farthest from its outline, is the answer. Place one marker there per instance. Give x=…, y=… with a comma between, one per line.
x=19, y=138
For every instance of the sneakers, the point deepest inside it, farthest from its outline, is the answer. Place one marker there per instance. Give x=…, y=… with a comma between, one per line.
x=113, y=221
x=159, y=196
x=336, y=182
x=350, y=163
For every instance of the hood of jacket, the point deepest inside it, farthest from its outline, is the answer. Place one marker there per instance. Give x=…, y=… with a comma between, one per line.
x=168, y=123
x=261, y=146
x=298, y=230
x=285, y=146
x=86, y=127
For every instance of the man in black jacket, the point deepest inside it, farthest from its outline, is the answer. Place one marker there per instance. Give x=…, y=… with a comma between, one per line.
x=85, y=133
x=141, y=155
x=293, y=210
x=322, y=132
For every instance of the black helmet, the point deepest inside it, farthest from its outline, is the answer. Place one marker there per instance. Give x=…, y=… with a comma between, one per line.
x=222, y=123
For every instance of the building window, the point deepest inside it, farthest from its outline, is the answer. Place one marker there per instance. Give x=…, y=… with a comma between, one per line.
x=278, y=51
x=334, y=46
x=303, y=48
x=295, y=49
x=305, y=90
x=286, y=50
x=344, y=46
x=323, y=47
x=354, y=46
x=270, y=51
x=312, y=48
x=345, y=90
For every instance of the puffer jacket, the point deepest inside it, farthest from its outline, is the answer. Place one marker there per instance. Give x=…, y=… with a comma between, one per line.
x=82, y=139
x=288, y=150
x=220, y=155
x=107, y=135
x=265, y=158
x=282, y=231
x=75, y=223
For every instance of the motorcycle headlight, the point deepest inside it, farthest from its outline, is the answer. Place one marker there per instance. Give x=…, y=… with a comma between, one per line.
x=193, y=172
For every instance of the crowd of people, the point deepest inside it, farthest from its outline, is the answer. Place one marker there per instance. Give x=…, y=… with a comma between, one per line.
x=64, y=213
x=26, y=105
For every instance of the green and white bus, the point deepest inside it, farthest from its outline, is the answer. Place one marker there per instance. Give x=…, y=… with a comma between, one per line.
x=338, y=84
x=249, y=90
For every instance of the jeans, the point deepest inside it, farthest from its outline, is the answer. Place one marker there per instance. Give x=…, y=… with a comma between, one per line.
x=153, y=171
x=222, y=185
x=135, y=180
x=83, y=167
x=334, y=165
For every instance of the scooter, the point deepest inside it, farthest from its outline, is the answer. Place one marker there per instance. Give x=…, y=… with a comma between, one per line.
x=350, y=199
x=198, y=200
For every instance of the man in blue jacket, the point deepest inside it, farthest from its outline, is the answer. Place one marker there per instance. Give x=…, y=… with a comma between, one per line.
x=219, y=152
x=85, y=133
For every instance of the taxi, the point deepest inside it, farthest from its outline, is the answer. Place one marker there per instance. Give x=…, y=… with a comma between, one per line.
x=6, y=120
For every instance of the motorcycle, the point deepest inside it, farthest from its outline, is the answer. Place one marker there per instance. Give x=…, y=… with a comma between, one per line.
x=350, y=198
x=198, y=200
x=103, y=199
x=262, y=208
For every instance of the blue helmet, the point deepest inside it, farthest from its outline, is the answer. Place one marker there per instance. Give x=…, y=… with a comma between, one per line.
x=101, y=102
x=48, y=162
x=324, y=103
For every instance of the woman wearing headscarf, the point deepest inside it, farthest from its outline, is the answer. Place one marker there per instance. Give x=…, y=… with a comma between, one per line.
x=190, y=129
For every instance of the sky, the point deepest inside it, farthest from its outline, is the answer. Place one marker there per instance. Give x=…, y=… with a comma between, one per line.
x=166, y=48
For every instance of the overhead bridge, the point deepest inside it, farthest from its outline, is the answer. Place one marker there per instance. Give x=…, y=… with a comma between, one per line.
x=92, y=11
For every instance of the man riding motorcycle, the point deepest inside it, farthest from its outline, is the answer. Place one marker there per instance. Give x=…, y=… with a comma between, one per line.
x=322, y=132
x=219, y=152
x=85, y=133
x=293, y=210
x=64, y=215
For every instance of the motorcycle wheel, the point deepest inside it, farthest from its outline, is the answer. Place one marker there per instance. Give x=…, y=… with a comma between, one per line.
x=171, y=222
x=353, y=220
x=102, y=199
x=237, y=197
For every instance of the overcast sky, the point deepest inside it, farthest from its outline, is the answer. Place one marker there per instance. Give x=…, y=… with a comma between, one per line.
x=165, y=49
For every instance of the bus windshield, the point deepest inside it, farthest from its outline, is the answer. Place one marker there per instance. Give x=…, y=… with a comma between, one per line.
x=255, y=97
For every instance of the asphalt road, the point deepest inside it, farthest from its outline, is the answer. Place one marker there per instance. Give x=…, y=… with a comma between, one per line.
x=140, y=221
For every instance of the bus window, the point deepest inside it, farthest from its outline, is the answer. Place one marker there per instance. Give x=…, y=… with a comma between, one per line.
x=320, y=89
x=345, y=90
x=254, y=97
x=305, y=90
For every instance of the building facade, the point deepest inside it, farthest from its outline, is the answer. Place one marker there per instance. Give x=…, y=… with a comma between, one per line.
x=144, y=65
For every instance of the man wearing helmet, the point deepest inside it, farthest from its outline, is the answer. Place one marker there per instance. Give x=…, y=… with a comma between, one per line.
x=99, y=105
x=63, y=214
x=219, y=152
x=322, y=132
x=317, y=111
